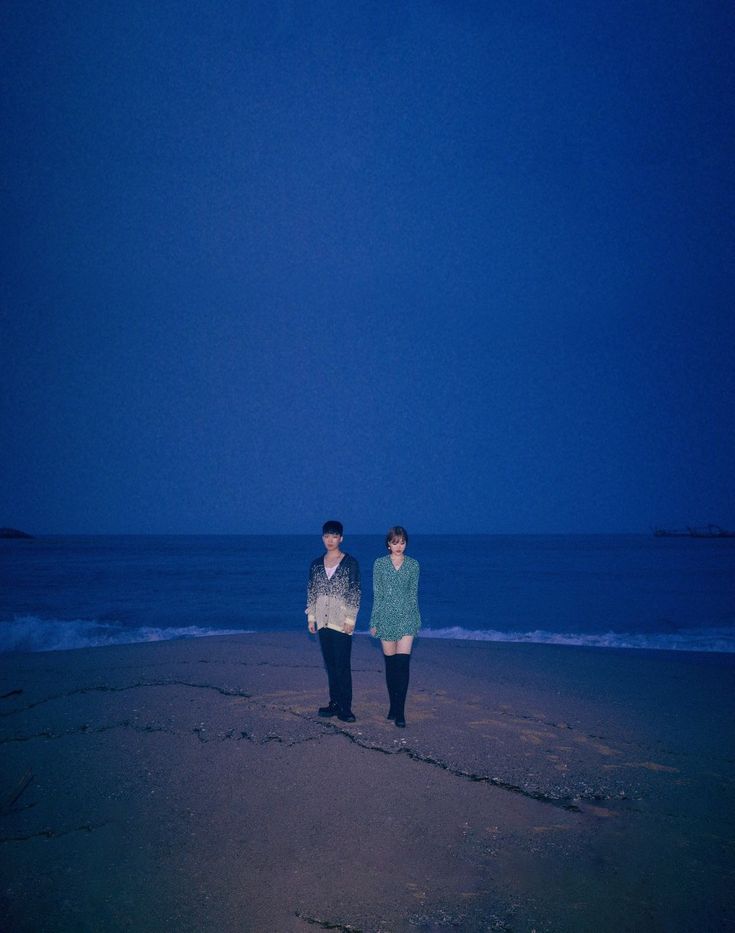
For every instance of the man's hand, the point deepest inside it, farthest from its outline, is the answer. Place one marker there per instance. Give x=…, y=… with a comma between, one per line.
x=312, y=626
x=348, y=628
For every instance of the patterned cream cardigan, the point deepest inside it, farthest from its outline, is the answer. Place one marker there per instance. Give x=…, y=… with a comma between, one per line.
x=332, y=603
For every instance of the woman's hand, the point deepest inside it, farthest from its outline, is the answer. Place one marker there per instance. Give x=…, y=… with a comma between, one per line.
x=373, y=631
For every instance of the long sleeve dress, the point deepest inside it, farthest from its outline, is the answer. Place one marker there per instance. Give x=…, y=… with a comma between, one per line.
x=395, y=598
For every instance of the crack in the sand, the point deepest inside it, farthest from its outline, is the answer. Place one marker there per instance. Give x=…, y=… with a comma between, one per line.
x=86, y=730
x=239, y=735
x=565, y=803
x=104, y=688
x=14, y=796
x=255, y=664
x=327, y=924
x=539, y=722
x=54, y=833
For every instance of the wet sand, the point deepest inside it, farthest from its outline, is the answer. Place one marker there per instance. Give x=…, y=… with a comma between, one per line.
x=190, y=786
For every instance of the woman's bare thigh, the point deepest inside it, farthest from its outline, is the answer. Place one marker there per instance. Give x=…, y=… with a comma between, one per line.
x=402, y=646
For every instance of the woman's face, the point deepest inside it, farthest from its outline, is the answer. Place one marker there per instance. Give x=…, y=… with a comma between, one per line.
x=397, y=546
x=332, y=541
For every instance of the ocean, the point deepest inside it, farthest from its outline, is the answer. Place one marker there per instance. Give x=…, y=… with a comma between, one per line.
x=608, y=591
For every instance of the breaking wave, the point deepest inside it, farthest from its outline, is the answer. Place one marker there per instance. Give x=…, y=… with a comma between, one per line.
x=712, y=639
x=29, y=633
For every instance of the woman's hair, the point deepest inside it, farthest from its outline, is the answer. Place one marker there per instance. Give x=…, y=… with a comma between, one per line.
x=396, y=532
x=332, y=528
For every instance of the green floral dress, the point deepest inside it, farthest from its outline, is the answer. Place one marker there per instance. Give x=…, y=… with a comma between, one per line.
x=395, y=598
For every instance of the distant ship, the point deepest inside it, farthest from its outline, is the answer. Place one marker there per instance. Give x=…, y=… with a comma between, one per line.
x=705, y=531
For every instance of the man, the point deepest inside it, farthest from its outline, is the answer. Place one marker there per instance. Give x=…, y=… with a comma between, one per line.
x=332, y=604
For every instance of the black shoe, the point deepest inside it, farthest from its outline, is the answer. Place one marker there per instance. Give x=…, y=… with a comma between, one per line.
x=391, y=715
x=400, y=722
x=331, y=710
x=349, y=716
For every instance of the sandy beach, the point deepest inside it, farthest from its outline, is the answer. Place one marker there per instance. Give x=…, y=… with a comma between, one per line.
x=190, y=786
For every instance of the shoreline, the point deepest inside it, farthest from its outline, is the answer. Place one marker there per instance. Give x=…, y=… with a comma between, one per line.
x=189, y=784
x=77, y=635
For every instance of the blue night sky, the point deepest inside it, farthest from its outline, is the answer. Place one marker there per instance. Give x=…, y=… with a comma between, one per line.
x=466, y=266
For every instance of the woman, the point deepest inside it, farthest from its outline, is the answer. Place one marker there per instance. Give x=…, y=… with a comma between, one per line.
x=332, y=604
x=395, y=618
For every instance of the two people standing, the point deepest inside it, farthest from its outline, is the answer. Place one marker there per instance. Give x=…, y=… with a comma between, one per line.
x=333, y=600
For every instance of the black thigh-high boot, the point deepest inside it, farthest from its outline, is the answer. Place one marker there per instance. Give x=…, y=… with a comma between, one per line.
x=402, y=666
x=390, y=682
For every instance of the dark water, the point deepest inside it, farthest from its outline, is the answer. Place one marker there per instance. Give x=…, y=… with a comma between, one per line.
x=605, y=590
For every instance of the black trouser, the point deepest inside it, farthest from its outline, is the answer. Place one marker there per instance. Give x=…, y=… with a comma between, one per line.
x=337, y=652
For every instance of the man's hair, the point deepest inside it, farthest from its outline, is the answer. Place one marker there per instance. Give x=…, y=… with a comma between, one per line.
x=332, y=528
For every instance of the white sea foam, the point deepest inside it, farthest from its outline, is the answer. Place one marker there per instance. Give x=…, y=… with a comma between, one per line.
x=712, y=639
x=29, y=633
